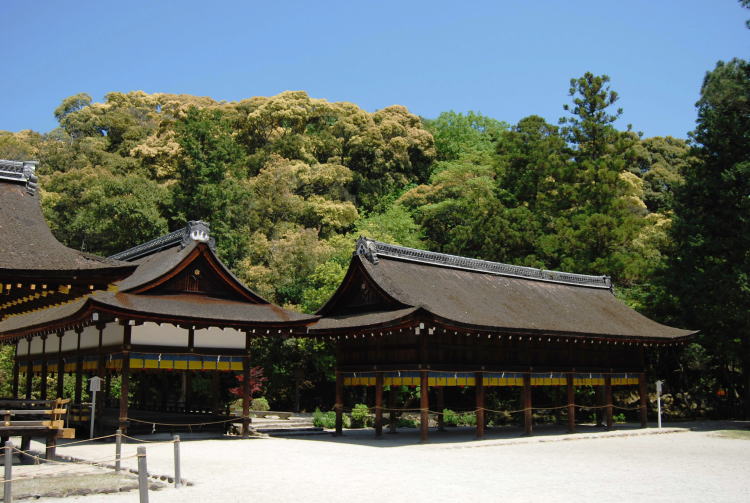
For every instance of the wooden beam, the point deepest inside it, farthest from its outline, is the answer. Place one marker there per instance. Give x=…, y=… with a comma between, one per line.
x=479, y=389
x=125, y=377
x=79, y=369
x=60, y=366
x=43, y=383
x=339, y=405
x=643, y=399
x=571, y=403
x=424, y=405
x=245, y=388
x=528, y=418
x=608, y=398
x=379, y=404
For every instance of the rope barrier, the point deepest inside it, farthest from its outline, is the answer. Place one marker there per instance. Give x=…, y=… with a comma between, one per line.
x=148, y=441
x=233, y=419
x=56, y=472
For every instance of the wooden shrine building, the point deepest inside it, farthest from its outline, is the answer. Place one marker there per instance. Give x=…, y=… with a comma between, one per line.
x=404, y=316
x=166, y=306
x=36, y=270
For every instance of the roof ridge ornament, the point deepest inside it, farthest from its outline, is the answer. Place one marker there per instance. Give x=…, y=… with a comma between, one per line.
x=367, y=248
x=20, y=171
x=371, y=249
x=195, y=230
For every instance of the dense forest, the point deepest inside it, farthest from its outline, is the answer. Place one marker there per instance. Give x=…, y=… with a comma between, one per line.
x=288, y=182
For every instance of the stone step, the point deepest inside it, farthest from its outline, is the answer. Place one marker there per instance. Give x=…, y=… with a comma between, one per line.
x=289, y=432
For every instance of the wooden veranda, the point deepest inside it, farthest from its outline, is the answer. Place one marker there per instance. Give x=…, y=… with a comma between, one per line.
x=410, y=317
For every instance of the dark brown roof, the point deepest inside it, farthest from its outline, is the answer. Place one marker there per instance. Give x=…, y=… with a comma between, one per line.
x=184, y=308
x=490, y=296
x=28, y=248
x=156, y=291
x=363, y=320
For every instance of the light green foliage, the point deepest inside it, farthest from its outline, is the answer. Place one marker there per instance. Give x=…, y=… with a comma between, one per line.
x=259, y=404
x=108, y=212
x=6, y=369
x=360, y=416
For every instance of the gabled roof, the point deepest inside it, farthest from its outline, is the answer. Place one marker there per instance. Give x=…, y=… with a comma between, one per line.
x=37, y=270
x=185, y=283
x=27, y=246
x=384, y=281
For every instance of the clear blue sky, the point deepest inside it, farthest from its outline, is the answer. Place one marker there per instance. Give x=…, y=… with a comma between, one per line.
x=506, y=59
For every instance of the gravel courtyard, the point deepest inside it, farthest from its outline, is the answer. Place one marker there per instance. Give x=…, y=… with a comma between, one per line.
x=625, y=465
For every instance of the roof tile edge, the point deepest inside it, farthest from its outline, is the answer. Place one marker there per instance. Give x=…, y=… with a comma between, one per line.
x=370, y=249
x=20, y=171
x=195, y=230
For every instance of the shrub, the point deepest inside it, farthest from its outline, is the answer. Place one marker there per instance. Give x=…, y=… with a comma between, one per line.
x=467, y=419
x=450, y=418
x=259, y=404
x=328, y=419
x=360, y=416
x=619, y=418
x=405, y=422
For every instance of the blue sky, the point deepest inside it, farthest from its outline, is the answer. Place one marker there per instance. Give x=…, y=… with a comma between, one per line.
x=505, y=59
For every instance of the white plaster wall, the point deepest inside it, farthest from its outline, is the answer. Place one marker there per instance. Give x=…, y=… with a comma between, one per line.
x=70, y=341
x=217, y=338
x=90, y=337
x=36, y=345
x=22, y=347
x=112, y=334
x=159, y=335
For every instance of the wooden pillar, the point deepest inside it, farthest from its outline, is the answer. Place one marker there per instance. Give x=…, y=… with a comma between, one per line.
x=479, y=389
x=424, y=405
x=339, y=406
x=440, y=395
x=643, y=396
x=79, y=369
x=392, y=416
x=60, y=366
x=608, y=398
x=29, y=369
x=379, y=404
x=125, y=376
x=100, y=353
x=43, y=383
x=246, y=388
x=571, y=403
x=528, y=418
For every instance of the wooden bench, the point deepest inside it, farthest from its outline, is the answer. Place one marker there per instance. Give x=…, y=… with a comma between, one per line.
x=35, y=418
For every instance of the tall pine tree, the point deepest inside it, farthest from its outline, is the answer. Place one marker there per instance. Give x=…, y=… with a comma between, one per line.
x=710, y=269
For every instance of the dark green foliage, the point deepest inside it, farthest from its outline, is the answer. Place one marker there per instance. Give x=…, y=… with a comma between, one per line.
x=709, y=274
x=209, y=171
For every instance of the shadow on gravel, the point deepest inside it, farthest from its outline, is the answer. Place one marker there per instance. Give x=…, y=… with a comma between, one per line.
x=466, y=435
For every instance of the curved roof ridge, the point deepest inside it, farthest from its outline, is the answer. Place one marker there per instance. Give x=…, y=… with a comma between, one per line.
x=371, y=249
x=195, y=230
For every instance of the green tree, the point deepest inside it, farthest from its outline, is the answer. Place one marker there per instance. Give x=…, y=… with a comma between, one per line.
x=209, y=173
x=710, y=266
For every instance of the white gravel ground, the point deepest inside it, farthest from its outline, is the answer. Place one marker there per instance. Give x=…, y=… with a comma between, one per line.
x=680, y=466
